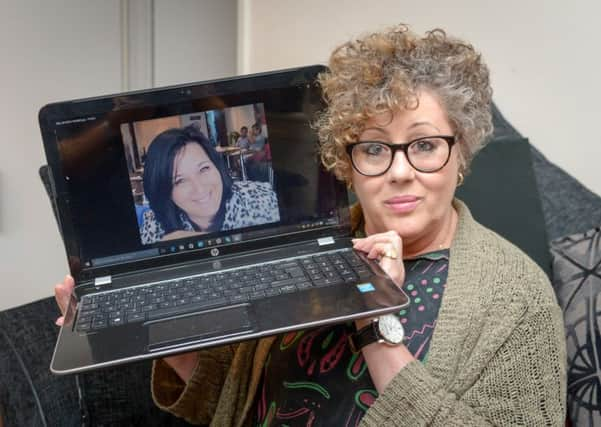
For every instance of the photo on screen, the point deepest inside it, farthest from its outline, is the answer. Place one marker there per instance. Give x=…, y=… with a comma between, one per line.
x=200, y=173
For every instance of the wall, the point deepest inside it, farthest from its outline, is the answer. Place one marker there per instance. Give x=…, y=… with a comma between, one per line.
x=67, y=49
x=542, y=55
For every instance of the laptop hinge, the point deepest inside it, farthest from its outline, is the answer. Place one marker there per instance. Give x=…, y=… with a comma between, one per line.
x=102, y=281
x=325, y=241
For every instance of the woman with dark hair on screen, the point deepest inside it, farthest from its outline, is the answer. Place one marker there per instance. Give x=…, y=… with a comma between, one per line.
x=190, y=192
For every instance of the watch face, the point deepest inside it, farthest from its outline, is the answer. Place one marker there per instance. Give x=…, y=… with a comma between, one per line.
x=391, y=329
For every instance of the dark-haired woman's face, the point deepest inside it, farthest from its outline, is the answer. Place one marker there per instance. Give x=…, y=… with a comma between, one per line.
x=197, y=185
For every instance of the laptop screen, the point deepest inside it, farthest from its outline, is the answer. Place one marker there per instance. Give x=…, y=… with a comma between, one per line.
x=161, y=176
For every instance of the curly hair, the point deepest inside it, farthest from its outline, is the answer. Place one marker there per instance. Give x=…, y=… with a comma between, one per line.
x=384, y=71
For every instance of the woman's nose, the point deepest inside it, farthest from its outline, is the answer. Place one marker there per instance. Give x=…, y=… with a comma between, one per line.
x=198, y=184
x=401, y=169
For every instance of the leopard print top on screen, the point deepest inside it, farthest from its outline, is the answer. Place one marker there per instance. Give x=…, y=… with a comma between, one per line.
x=251, y=203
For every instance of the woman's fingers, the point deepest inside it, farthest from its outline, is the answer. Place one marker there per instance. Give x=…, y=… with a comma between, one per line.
x=383, y=250
x=367, y=243
x=62, y=294
x=387, y=248
x=183, y=364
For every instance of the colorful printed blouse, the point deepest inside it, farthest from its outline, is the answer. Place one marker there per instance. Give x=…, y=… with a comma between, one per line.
x=312, y=378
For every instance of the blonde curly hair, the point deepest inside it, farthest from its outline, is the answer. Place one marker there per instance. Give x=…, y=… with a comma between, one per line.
x=383, y=72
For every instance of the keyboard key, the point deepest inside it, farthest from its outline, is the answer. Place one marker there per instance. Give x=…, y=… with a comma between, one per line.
x=287, y=265
x=115, y=314
x=296, y=272
x=136, y=317
x=348, y=278
x=363, y=273
x=272, y=292
x=84, y=327
x=261, y=286
x=287, y=289
x=99, y=324
x=116, y=321
x=304, y=285
x=257, y=295
x=239, y=298
x=280, y=283
x=319, y=282
x=84, y=319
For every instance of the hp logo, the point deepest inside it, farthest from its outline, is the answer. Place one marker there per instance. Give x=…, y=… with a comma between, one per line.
x=214, y=252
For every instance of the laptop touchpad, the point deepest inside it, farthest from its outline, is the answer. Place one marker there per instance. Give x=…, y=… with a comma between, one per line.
x=198, y=327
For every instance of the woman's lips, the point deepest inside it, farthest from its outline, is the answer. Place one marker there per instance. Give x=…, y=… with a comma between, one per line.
x=402, y=204
x=204, y=198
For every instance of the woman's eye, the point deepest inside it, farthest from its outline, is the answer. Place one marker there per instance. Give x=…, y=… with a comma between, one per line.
x=424, y=146
x=373, y=149
x=204, y=168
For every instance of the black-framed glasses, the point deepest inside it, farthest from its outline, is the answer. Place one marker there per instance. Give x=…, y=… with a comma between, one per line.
x=427, y=154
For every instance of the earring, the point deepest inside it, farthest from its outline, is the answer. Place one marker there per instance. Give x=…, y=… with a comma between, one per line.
x=349, y=185
x=460, y=179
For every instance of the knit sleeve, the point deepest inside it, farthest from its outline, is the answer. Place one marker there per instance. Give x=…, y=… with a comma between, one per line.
x=523, y=384
x=197, y=400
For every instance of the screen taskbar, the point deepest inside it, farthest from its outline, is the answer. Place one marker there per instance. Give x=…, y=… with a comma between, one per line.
x=202, y=242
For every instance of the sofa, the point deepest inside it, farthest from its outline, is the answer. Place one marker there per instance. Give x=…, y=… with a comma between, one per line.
x=551, y=207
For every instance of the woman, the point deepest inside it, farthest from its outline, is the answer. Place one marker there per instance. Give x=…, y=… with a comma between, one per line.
x=190, y=192
x=484, y=336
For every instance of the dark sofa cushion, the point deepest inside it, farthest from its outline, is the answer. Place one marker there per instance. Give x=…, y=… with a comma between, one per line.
x=577, y=283
x=31, y=395
x=568, y=206
x=501, y=192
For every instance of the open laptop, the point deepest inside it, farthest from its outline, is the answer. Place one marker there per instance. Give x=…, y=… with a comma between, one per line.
x=277, y=258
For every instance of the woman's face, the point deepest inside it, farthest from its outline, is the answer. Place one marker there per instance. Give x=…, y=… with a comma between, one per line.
x=416, y=205
x=197, y=184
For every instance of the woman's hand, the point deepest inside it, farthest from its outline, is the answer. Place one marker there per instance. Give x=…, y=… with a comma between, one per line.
x=384, y=362
x=62, y=294
x=182, y=364
x=387, y=248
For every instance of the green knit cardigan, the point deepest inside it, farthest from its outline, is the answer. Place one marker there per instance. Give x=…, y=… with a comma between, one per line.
x=497, y=355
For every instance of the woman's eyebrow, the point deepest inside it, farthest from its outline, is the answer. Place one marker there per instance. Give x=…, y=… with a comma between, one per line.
x=424, y=123
x=377, y=129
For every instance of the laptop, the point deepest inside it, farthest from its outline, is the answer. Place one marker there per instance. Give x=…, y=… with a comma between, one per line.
x=199, y=215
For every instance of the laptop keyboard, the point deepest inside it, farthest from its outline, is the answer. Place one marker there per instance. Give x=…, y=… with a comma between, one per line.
x=206, y=291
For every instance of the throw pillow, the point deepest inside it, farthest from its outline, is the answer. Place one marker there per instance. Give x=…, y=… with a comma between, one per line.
x=577, y=283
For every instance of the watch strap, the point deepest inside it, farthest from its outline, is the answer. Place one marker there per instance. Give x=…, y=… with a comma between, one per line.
x=363, y=337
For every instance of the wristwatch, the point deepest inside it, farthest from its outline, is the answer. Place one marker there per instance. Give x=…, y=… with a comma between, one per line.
x=386, y=329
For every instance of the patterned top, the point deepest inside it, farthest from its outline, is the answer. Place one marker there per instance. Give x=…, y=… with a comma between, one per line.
x=251, y=203
x=312, y=378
